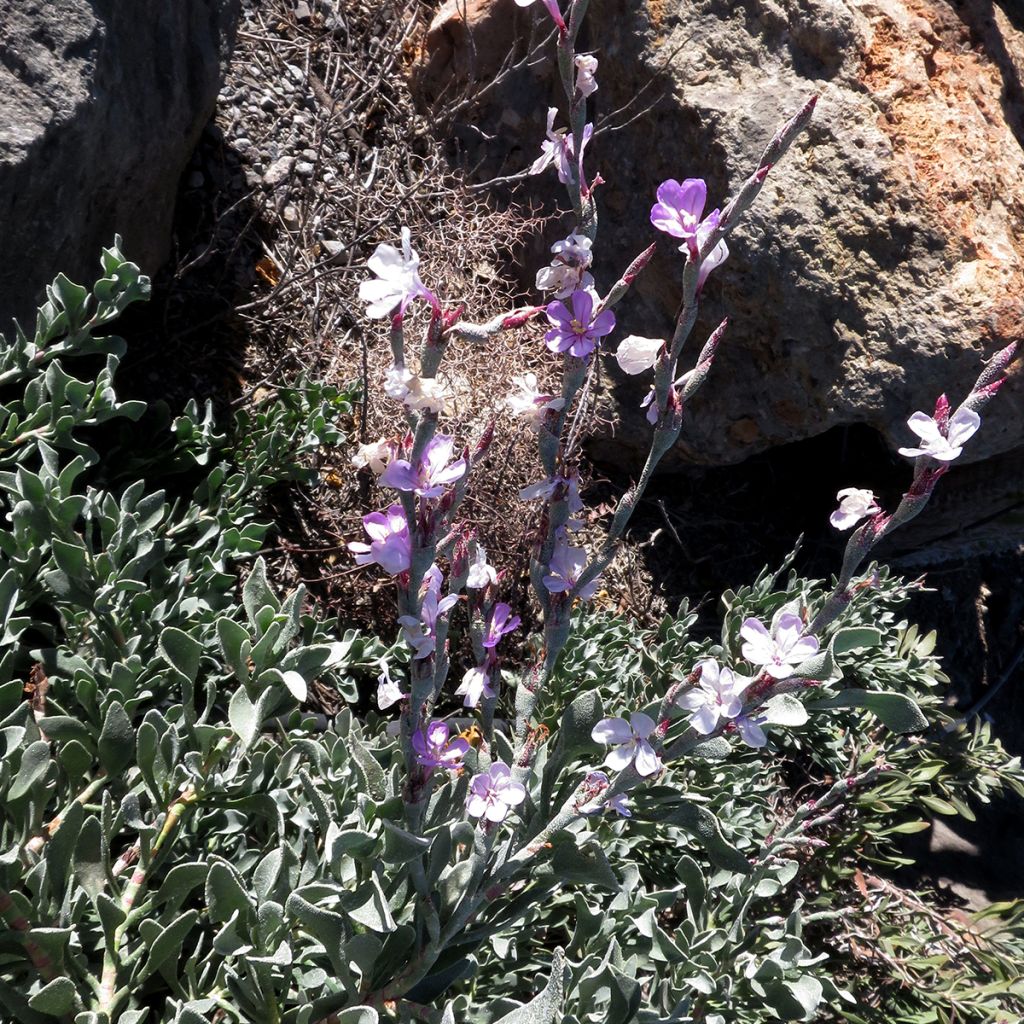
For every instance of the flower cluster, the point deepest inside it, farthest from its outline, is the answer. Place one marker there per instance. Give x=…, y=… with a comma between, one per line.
x=421, y=633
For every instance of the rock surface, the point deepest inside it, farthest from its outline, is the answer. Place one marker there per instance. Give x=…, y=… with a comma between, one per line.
x=101, y=103
x=885, y=258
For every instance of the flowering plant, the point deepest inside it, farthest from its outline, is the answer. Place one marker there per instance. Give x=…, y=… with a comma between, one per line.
x=182, y=841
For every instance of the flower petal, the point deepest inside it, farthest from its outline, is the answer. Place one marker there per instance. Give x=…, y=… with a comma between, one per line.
x=612, y=730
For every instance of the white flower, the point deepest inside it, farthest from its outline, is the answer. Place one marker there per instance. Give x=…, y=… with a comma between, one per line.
x=719, y=694
x=628, y=742
x=575, y=249
x=586, y=67
x=396, y=383
x=963, y=425
x=636, y=354
x=530, y=401
x=374, y=455
x=397, y=282
x=855, y=504
x=425, y=394
x=480, y=572
x=388, y=691
x=781, y=650
x=476, y=684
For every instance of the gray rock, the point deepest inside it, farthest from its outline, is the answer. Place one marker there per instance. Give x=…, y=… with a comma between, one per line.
x=101, y=104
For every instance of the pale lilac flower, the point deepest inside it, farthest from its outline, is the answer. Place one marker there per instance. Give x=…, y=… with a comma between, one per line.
x=568, y=271
x=946, y=445
x=500, y=623
x=749, y=728
x=421, y=633
x=433, y=473
x=586, y=68
x=434, y=748
x=718, y=695
x=398, y=281
x=390, y=546
x=628, y=742
x=388, y=690
x=598, y=783
x=481, y=573
x=781, y=650
x=718, y=254
x=551, y=6
x=476, y=684
x=636, y=354
x=575, y=249
x=492, y=794
x=530, y=402
x=679, y=209
x=546, y=488
x=566, y=568
x=563, y=280
x=577, y=331
x=560, y=149
x=855, y=504
x=374, y=456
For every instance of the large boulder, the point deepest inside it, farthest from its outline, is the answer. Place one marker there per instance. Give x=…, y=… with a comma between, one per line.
x=101, y=104
x=885, y=258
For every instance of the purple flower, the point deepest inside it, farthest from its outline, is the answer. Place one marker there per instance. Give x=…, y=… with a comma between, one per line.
x=559, y=149
x=499, y=624
x=493, y=793
x=567, y=565
x=719, y=694
x=433, y=473
x=434, y=749
x=781, y=650
x=945, y=445
x=476, y=683
x=628, y=743
x=855, y=504
x=575, y=331
x=398, y=281
x=390, y=546
x=421, y=633
x=679, y=208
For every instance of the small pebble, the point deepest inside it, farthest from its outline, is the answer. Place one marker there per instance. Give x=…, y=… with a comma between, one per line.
x=278, y=171
x=304, y=169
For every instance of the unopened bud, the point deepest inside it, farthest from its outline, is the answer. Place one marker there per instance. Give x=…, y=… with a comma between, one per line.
x=519, y=317
x=762, y=172
x=484, y=441
x=634, y=269
x=451, y=317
